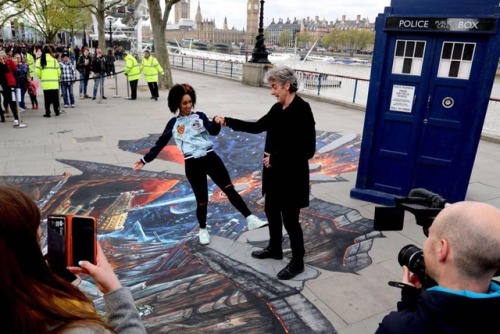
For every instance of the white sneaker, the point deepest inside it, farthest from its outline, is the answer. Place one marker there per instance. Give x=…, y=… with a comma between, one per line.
x=65, y=106
x=21, y=109
x=204, y=236
x=253, y=222
x=19, y=125
x=72, y=106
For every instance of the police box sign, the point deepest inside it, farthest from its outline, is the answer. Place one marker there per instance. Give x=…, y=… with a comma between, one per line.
x=484, y=25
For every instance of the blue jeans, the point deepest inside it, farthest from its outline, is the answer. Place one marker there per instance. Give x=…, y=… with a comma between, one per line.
x=67, y=89
x=84, y=80
x=98, y=78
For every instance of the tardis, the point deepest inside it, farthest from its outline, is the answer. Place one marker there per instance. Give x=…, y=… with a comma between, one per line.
x=433, y=69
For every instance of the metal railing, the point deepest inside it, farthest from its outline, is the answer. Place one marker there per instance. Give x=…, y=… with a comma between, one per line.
x=224, y=68
x=335, y=87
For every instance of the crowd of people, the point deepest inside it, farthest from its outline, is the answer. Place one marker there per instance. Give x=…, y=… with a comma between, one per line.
x=461, y=254
x=56, y=69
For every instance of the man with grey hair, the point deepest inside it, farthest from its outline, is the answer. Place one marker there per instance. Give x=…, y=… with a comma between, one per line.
x=290, y=143
x=462, y=255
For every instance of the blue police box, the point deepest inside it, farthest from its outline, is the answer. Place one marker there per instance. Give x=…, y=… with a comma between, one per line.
x=433, y=69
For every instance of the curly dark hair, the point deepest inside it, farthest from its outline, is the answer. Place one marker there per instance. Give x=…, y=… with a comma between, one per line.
x=176, y=93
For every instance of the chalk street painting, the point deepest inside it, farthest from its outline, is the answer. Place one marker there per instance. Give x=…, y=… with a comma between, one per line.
x=148, y=229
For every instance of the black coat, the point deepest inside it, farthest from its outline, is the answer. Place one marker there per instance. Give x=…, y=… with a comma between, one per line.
x=442, y=312
x=291, y=141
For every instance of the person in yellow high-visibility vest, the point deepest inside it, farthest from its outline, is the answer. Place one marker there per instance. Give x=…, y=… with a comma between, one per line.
x=151, y=67
x=48, y=71
x=133, y=71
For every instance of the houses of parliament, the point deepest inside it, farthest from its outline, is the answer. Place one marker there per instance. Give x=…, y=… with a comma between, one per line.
x=205, y=30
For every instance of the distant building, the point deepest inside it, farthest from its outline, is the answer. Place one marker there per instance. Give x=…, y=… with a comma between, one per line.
x=276, y=29
x=359, y=23
x=182, y=10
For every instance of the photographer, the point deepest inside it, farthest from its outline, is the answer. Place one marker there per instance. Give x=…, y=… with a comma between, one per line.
x=34, y=299
x=462, y=255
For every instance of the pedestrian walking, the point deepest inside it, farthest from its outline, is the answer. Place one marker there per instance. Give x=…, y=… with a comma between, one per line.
x=151, y=68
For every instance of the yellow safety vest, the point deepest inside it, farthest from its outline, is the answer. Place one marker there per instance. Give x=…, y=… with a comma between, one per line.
x=31, y=64
x=151, y=67
x=49, y=76
x=132, y=69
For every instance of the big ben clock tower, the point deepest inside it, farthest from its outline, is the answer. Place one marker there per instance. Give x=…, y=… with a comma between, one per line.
x=252, y=20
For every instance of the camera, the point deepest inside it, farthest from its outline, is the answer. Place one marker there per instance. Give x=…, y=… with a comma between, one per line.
x=423, y=204
x=70, y=239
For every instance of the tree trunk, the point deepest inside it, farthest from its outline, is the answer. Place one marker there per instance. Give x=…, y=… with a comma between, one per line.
x=100, y=25
x=158, y=26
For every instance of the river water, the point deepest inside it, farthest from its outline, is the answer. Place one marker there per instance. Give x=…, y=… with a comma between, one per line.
x=357, y=71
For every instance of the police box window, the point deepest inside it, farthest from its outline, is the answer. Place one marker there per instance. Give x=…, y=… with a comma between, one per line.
x=408, y=57
x=456, y=60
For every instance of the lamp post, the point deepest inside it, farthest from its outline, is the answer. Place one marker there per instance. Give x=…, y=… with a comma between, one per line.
x=259, y=52
x=110, y=19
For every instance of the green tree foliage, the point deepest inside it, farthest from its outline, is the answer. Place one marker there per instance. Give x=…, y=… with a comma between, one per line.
x=351, y=40
x=43, y=16
x=99, y=8
x=304, y=39
x=286, y=38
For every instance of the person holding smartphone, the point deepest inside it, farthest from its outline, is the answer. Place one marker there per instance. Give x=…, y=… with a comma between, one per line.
x=34, y=299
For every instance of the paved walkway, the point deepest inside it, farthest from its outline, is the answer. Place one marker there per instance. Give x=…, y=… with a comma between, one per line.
x=353, y=303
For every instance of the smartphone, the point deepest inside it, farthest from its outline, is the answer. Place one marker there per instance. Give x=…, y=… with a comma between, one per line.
x=70, y=239
x=83, y=242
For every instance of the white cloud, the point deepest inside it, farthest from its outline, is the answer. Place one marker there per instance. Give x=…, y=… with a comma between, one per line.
x=236, y=13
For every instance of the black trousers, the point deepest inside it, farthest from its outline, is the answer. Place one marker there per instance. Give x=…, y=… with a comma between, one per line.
x=288, y=217
x=196, y=173
x=8, y=101
x=51, y=96
x=133, y=89
x=153, y=88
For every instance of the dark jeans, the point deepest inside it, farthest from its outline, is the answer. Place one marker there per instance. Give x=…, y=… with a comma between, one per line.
x=133, y=89
x=51, y=96
x=153, y=88
x=196, y=173
x=288, y=217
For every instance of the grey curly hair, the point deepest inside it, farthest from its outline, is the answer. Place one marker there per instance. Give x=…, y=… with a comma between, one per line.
x=283, y=74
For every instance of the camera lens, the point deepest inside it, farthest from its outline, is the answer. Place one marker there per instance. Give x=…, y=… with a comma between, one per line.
x=412, y=257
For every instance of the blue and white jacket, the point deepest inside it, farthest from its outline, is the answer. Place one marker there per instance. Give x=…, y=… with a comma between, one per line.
x=191, y=134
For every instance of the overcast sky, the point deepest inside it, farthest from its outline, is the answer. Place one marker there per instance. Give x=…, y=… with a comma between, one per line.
x=236, y=11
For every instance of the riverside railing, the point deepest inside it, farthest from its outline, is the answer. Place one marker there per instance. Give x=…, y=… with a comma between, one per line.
x=335, y=87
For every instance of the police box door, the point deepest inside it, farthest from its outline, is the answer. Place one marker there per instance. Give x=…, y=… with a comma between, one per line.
x=425, y=114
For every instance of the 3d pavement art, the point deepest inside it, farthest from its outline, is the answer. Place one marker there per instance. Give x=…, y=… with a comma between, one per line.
x=148, y=229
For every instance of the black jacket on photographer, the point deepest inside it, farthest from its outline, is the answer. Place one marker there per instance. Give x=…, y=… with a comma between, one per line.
x=441, y=310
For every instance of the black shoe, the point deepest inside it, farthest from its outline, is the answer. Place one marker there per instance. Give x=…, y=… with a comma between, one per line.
x=291, y=270
x=93, y=98
x=57, y=114
x=267, y=253
x=46, y=115
x=104, y=97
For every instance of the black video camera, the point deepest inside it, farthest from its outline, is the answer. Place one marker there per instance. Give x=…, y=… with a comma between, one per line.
x=422, y=203
x=425, y=206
